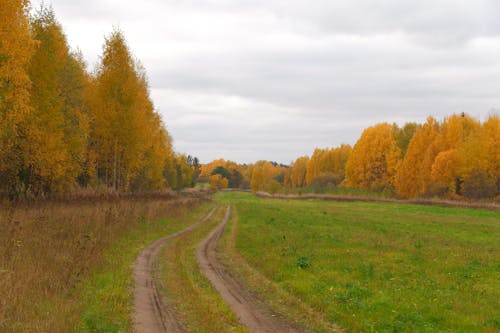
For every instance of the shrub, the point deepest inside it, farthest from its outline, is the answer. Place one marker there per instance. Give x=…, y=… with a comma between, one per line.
x=303, y=262
x=479, y=184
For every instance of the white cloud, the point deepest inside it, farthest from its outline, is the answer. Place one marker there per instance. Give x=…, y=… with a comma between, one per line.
x=261, y=79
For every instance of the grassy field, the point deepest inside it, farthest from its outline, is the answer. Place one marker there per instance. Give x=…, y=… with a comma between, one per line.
x=372, y=267
x=66, y=266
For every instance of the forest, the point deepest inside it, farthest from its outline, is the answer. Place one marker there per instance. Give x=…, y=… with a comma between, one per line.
x=64, y=128
x=456, y=158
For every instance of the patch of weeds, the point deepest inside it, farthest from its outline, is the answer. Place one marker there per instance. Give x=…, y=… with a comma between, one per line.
x=366, y=270
x=470, y=271
x=418, y=245
x=403, y=322
x=495, y=323
x=353, y=292
x=98, y=324
x=303, y=262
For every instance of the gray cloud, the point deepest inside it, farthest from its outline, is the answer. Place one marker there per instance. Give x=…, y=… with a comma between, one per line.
x=256, y=79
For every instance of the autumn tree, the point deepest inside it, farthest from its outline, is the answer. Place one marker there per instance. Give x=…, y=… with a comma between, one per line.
x=196, y=166
x=414, y=175
x=16, y=49
x=56, y=140
x=480, y=160
x=230, y=170
x=217, y=182
x=128, y=140
x=297, y=172
x=404, y=135
x=374, y=159
x=433, y=161
x=264, y=175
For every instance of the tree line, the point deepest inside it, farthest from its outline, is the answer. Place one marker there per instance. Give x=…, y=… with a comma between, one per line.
x=457, y=157
x=62, y=127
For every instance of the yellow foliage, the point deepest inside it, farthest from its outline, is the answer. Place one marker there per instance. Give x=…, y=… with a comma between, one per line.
x=437, y=156
x=414, y=174
x=16, y=48
x=444, y=170
x=217, y=182
x=297, y=172
x=129, y=141
x=374, y=159
x=264, y=176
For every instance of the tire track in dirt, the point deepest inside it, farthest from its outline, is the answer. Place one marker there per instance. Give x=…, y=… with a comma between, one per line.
x=150, y=314
x=250, y=310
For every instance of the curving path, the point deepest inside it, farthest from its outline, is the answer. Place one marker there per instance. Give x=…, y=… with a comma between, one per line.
x=250, y=311
x=150, y=314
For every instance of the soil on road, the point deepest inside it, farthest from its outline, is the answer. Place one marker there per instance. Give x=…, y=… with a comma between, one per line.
x=150, y=314
x=251, y=312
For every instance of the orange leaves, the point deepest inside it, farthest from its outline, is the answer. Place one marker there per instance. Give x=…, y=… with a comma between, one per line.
x=440, y=157
x=375, y=159
x=414, y=174
x=444, y=170
x=218, y=182
x=61, y=127
x=298, y=172
x=16, y=48
x=130, y=143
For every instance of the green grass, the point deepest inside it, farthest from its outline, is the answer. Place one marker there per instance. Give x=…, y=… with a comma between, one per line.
x=107, y=294
x=377, y=267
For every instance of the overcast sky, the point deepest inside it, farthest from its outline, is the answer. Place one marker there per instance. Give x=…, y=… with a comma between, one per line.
x=248, y=80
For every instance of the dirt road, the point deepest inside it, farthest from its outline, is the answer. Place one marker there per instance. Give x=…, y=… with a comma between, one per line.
x=150, y=314
x=250, y=311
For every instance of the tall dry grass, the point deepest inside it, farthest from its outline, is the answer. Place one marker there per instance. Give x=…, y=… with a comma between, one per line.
x=47, y=248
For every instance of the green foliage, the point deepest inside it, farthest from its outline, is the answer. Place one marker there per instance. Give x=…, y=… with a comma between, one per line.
x=303, y=262
x=97, y=324
x=220, y=170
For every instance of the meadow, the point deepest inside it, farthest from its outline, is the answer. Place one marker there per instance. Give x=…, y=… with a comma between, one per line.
x=65, y=266
x=369, y=267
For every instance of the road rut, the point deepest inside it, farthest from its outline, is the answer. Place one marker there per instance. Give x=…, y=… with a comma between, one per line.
x=250, y=310
x=150, y=314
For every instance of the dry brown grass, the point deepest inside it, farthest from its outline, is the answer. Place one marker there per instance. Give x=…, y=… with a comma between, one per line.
x=491, y=205
x=47, y=248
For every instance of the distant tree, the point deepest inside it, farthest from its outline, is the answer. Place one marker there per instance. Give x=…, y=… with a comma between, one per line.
x=374, y=159
x=195, y=165
x=217, y=182
x=220, y=170
x=404, y=135
x=298, y=172
x=479, y=184
x=280, y=178
x=328, y=161
x=444, y=171
x=414, y=175
x=434, y=157
x=236, y=179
